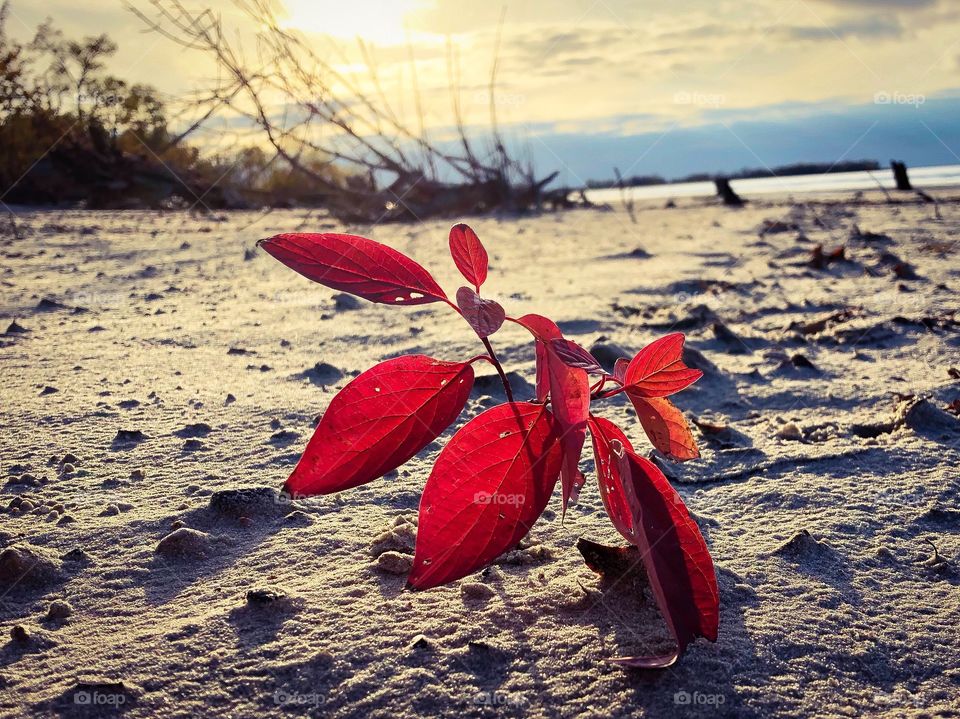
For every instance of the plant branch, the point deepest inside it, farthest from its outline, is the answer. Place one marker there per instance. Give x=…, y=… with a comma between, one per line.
x=496, y=363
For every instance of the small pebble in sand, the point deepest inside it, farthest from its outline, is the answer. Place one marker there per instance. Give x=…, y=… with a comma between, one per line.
x=26, y=505
x=77, y=556
x=48, y=390
x=28, y=479
x=70, y=458
x=59, y=609
x=790, y=431
x=230, y=399
x=245, y=502
x=177, y=524
x=129, y=436
x=262, y=596
x=138, y=474
x=184, y=542
x=420, y=642
x=110, y=510
x=394, y=562
x=475, y=590
x=65, y=519
x=343, y=301
x=28, y=565
x=19, y=633
x=68, y=468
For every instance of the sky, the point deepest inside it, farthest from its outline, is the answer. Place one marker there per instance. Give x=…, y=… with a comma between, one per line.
x=651, y=87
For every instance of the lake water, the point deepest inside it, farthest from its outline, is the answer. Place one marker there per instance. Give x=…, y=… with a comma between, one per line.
x=921, y=177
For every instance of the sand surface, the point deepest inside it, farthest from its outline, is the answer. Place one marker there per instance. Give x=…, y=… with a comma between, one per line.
x=174, y=362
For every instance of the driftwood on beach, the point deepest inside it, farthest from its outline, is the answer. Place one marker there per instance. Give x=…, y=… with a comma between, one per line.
x=396, y=170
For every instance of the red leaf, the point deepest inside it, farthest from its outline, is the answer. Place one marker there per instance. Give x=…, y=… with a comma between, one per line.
x=651, y=515
x=543, y=378
x=357, y=265
x=665, y=426
x=468, y=254
x=620, y=369
x=485, y=316
x=602, y=433
x=489, y=485
x=379, y=421
x=573, y=355
x=658, y=369
x=569, y=398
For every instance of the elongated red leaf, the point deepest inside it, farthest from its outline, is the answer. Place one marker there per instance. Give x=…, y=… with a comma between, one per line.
x=666, y=427
x=489, y=485
x=468, y=254
x=658, y=369
x=379, y=421
x=569, y=398
x=649, y=513
x=573, y=355
x=485, y=316
x=356, y=265
x=602, y=433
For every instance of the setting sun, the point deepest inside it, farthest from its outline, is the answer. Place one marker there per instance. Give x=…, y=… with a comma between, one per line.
x=383, y=22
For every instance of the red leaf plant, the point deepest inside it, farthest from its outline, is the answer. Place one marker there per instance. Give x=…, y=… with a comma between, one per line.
x=494, y=478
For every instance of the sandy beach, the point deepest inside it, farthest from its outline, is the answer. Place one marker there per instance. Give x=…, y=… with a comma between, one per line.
x=155, y=363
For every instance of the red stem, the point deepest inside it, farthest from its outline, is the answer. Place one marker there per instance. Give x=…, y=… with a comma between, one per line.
x=496, y=363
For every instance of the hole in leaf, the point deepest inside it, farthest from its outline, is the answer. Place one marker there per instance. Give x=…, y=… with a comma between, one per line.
x=416, y=295
x=504, y=434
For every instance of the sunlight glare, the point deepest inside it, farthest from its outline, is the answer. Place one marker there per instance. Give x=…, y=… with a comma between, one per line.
x=383, y=22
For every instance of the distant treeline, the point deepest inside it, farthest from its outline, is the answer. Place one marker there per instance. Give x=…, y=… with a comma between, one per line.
x=800, y=168
x=72, y=133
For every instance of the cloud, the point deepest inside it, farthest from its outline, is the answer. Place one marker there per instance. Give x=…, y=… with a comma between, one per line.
x=879, y=27
x=891, y=4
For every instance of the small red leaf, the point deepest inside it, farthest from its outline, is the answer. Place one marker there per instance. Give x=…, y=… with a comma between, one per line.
x=468, y=254
x=490, y=484
x=666, y=427
x=379, y=421
x=543, y=378
x=649, y=513
x=658, y=369
x=620, y=369
x=356, y=265
x=485, y=316
x=569, y=398
x=573, y=355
